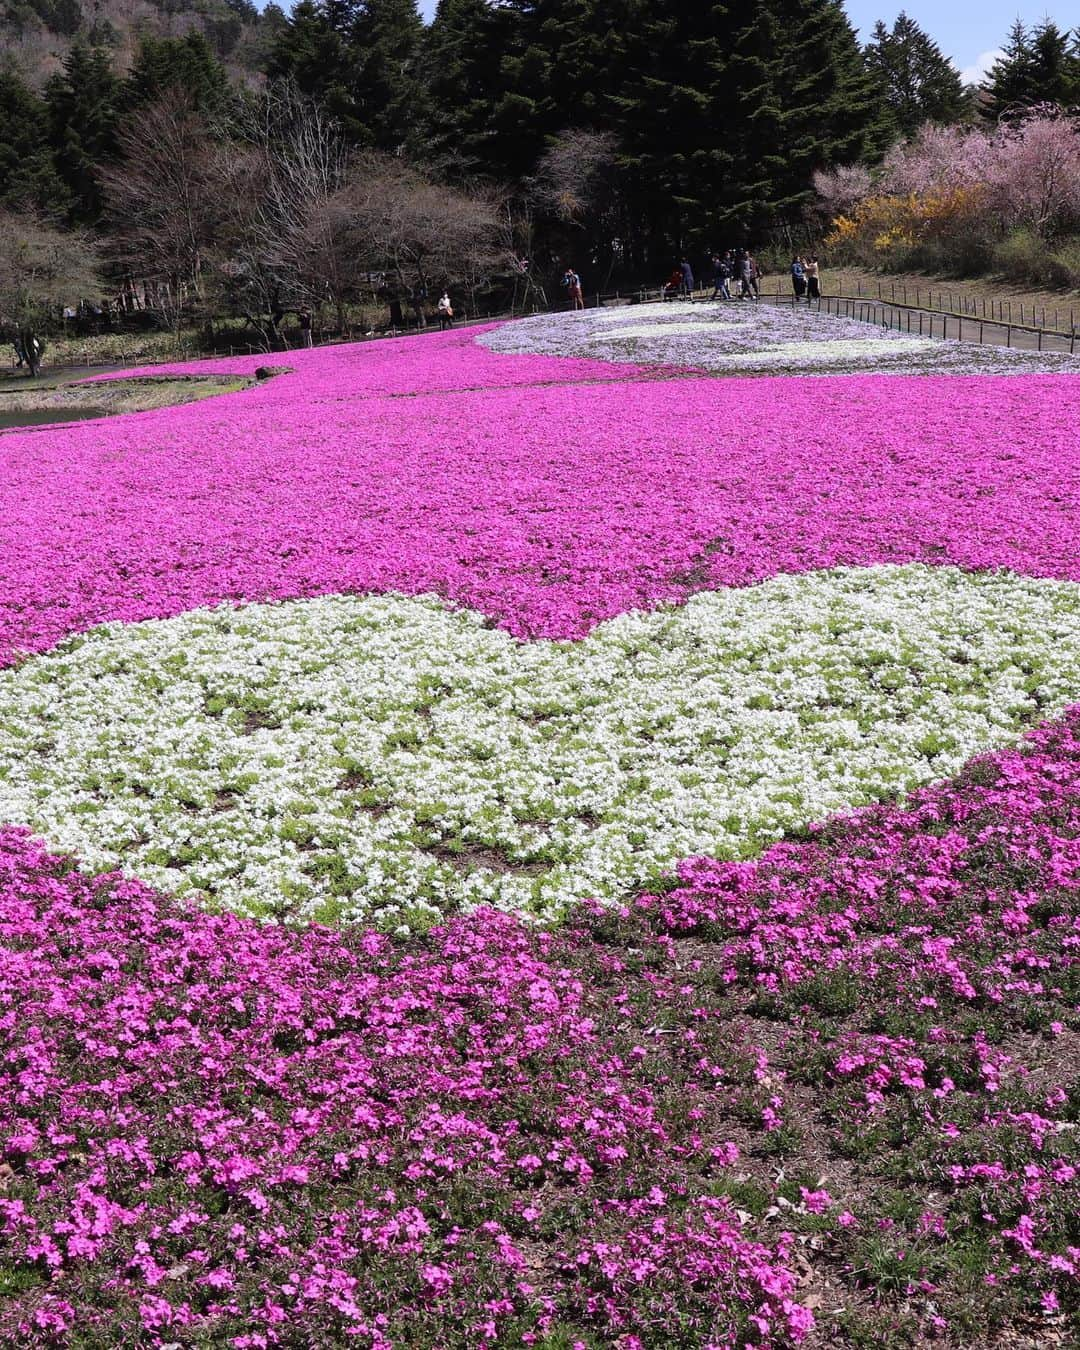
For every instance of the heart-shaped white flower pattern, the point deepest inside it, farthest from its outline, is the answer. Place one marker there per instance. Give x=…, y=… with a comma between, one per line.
x=390, y=759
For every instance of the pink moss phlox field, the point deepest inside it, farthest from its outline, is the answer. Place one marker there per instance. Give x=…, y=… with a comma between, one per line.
x=559, y=494
x=400, y=367
x=933, y=953
x=216, y=1131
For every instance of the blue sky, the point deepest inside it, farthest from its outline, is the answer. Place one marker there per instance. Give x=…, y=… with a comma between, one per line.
x=968, y=31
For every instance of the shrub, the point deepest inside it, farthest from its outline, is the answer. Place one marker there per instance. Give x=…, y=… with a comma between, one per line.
x=960, y=198
x=1023, y=255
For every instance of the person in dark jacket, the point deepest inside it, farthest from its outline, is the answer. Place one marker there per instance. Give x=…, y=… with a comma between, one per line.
x=686, y=288
x=721, y=278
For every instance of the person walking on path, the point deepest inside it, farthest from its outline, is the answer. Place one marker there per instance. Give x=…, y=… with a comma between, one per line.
x=446, y=312
x=303, y=317
x=745, y=265
x=572, y=282
x=686, y=286
x=813, y=280
x=721, y=277
x=755, y=278
x=798, y=278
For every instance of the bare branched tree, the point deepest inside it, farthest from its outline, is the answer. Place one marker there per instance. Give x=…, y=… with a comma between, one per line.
x=423, y=232
x=276, y=211
x=292, y=241
x=165, y=206
x=573, y=177
x=42, y=269
x=575, y=187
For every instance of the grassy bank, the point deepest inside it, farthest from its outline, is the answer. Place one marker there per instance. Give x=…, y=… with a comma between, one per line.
x=1052, y=308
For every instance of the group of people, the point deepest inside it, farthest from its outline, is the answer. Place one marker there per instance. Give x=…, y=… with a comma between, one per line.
x=734, y=275
x=805, y=278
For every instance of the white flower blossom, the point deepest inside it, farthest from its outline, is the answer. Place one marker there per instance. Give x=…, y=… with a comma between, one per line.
x=748, y=338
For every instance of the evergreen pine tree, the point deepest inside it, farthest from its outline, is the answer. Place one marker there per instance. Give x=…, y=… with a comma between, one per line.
x=82, y=103
x=315, y=51
x=757, y=81
x=361, y=58
x=833, y=109
x=919, y=83
x=461, y=60
x=28, y=177
x=521, y=87
x=387, y=37
x=675, y=138
x=1053, y=70
x=1010, y=77
x=187, y=63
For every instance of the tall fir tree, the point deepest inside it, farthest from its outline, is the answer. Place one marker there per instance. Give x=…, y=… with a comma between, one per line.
x=28, y=177
x=676, y=141
x=1040, y=65
x=83, y=101
x=361, y=58
x=315, y=50
x=833, y=109
x=1055, y=70
x=919, y=83
x=387, y=38
x=758, y=119
x=165, y=64
x=461, y=63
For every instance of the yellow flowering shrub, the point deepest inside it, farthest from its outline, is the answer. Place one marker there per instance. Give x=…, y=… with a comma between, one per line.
x=886, y=224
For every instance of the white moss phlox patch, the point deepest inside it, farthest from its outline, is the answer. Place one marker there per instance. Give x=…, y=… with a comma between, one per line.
x=390, y=759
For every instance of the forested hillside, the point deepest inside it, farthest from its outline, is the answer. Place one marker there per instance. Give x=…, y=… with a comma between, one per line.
x=36, y=35
x=221, y=161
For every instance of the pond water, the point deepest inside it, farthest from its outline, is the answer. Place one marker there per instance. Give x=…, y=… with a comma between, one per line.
x=36, y=417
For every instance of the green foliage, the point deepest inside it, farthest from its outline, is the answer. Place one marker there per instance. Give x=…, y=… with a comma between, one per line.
x=361, y=59
x=165, y=64
x=388, y=35
x=1023, y=256
x=460, y=49
x=1040, y=65
x=28, y=177
x=83, y=105
x=919, y=83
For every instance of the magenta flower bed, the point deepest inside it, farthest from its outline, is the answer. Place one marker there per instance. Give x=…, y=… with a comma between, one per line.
x=400, y=367
x=549, y=506
x=217, y=1127
x=223, y=1133
x=824, y=1098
